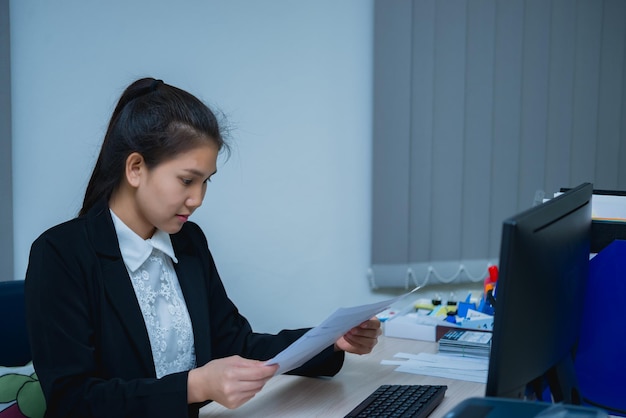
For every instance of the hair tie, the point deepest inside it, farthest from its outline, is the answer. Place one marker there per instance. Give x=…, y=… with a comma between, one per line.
x=155, y=84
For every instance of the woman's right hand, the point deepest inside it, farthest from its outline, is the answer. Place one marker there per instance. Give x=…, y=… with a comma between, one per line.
x=230, y=381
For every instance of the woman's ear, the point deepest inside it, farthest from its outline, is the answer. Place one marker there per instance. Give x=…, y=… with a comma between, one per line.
x=135, y=167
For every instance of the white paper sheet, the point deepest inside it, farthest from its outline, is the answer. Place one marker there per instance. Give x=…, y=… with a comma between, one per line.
x=329, y=331
x=439, y=365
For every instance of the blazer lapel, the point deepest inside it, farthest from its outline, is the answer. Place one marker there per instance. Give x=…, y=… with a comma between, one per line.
x=118, y=289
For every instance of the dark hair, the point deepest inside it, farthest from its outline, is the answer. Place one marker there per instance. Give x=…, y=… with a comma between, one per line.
x=156, y=120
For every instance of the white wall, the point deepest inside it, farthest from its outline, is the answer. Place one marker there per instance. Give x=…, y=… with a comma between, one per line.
x=288, y=216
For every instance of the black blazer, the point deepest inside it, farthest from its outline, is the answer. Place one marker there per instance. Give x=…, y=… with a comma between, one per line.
x=89, y=342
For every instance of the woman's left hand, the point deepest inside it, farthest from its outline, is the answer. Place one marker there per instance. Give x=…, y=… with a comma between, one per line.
x=360, y=339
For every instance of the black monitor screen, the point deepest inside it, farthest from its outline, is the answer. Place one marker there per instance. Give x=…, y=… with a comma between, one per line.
x=544, y=264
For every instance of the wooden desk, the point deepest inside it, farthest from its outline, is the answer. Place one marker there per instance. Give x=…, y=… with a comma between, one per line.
x=295, y=396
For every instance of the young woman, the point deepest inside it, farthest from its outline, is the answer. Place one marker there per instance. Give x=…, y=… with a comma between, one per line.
x=127, y=314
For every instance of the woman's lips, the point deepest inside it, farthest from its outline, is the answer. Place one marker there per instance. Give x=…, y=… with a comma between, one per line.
x=183, y=218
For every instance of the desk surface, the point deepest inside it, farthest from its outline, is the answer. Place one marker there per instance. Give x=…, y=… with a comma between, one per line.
x=295, y=396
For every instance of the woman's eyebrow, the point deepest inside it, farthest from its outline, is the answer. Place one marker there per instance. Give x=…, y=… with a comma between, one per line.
x=198, y=173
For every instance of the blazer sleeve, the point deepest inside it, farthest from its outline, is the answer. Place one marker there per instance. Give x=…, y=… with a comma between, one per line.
x=232, y=334
x=61, y=296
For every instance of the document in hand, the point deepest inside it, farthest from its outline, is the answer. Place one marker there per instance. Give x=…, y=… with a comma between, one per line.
x=325, y=334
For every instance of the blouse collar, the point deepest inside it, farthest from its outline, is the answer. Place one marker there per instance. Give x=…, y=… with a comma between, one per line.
x=135, y=250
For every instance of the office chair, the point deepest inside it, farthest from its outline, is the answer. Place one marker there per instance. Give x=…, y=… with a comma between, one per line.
x=15, y=347
x=21, y=391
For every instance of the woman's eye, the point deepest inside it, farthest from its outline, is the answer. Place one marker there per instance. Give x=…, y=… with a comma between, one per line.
x=186, y=182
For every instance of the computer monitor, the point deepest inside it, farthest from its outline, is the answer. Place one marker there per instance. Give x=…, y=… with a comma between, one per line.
x=544, y=264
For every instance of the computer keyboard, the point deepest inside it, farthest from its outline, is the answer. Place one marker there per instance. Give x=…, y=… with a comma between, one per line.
x=405, y=401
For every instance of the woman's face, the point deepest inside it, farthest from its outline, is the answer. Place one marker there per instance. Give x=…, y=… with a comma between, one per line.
x=169, y=193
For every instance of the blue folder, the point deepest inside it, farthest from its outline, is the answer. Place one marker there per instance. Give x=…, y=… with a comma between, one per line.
x=601, y=356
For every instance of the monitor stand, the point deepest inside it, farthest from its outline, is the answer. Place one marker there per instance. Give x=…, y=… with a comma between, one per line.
x=563, y=382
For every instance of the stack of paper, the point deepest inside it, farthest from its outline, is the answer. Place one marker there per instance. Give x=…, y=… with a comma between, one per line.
x=439, y=365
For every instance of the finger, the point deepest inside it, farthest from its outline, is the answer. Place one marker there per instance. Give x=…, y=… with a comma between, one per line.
x=257, y=372
x=361, y=340
x=373, y=323
x=365, y=332
x=360, y=345
x=244, y=387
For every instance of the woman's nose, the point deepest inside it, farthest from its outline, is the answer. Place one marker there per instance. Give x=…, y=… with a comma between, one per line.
x=195, y=198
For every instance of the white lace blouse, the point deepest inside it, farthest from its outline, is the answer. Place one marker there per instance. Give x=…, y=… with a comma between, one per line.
x=149, y=265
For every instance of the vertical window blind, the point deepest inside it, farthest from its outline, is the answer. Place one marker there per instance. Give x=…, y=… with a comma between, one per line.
x=480, y=106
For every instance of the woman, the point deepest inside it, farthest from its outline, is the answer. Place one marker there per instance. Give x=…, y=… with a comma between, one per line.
x=127, y=314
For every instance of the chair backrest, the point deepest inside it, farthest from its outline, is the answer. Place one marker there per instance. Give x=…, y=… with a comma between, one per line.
x=15, y=347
